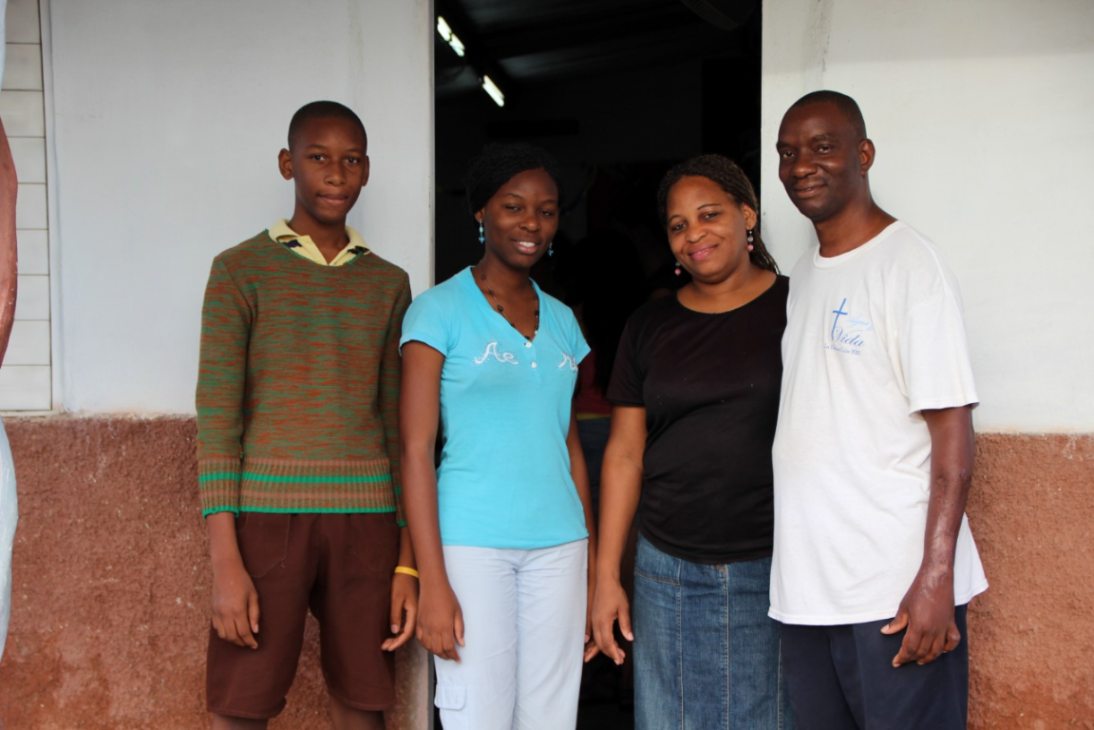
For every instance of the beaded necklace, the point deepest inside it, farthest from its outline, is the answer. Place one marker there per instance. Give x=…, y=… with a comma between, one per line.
x=481, y=279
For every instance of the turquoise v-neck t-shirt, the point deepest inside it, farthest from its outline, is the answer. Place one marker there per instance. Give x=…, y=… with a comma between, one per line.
x=504, y=479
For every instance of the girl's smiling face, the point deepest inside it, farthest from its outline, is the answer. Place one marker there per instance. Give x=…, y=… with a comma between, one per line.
x=520, y=219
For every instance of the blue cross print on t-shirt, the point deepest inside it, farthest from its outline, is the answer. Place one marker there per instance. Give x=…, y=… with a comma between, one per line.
x=848, y=333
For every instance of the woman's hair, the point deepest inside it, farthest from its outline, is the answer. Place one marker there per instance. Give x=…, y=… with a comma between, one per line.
x=498, y=163
x=730, y=178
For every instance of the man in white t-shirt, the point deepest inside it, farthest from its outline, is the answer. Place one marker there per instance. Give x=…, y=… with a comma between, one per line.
x=873, y=560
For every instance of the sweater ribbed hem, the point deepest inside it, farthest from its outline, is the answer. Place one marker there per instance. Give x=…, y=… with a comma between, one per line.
x=297, y=485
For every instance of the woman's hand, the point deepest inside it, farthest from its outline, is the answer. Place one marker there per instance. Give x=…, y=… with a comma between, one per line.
x=620, y=485
x=440, y=621
x=610, y=605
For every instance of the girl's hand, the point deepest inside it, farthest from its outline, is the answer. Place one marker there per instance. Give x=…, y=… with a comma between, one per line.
x=440, y=621
x=591, y=649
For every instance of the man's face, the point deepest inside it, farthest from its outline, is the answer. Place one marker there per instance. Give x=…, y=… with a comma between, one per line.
x=822, y=160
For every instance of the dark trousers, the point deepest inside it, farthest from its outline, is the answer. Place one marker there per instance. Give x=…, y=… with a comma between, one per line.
x=841, y=677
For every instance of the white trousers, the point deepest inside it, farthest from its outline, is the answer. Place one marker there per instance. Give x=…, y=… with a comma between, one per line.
x=524, y=627
x=9, y=515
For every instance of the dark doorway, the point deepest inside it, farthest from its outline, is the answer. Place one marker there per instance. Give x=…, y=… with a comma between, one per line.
x=617, y=90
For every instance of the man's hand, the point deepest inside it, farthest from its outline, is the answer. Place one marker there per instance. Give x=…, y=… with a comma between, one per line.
x=927, y=612
x=235, y=604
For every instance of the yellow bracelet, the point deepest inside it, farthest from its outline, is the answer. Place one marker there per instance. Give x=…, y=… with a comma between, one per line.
x=406, y=571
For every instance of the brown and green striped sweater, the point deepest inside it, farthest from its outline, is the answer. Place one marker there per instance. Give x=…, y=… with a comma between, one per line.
x=298, y=383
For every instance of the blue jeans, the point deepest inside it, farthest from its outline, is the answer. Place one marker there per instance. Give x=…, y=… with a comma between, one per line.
x=706, y=655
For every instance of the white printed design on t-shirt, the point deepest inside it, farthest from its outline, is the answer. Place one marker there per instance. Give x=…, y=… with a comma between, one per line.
x=568, y=360
x=491, y=351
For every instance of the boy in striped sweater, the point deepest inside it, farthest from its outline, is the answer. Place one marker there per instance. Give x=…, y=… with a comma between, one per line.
x=298, y=445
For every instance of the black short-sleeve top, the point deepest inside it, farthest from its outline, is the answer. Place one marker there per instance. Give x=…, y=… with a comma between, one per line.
x=710, y=387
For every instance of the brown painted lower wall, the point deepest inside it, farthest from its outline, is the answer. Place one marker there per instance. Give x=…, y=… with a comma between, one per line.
x=112, y=583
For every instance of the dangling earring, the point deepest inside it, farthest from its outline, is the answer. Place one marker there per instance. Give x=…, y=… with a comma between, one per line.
x=482, y=234
x=750, y=239
x=551, y=248
x=677, y=269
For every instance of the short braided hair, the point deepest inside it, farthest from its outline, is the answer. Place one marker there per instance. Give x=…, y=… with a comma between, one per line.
x=730, y=178
x=498, y=163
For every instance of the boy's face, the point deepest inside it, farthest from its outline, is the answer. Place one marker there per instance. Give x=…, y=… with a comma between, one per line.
x=329, y=166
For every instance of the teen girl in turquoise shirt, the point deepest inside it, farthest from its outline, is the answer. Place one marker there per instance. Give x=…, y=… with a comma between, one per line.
x=500, y=528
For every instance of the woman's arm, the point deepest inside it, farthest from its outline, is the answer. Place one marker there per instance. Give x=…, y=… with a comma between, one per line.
x=620, y=485
x=580, y=473
x=440, y=621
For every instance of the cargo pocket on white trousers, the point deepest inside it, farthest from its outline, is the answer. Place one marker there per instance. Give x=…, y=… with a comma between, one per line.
x=451, y=699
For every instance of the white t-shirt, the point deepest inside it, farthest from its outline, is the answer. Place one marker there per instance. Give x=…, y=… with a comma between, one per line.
x=873, y=336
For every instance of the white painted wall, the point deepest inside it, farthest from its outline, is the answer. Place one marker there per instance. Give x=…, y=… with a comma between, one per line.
x=981, y=112
x=168, y=117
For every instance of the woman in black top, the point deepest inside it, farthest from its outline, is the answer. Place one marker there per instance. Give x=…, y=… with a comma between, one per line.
x=695, y=392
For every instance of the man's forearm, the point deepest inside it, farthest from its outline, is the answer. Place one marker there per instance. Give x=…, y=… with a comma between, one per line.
x=952, y=455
